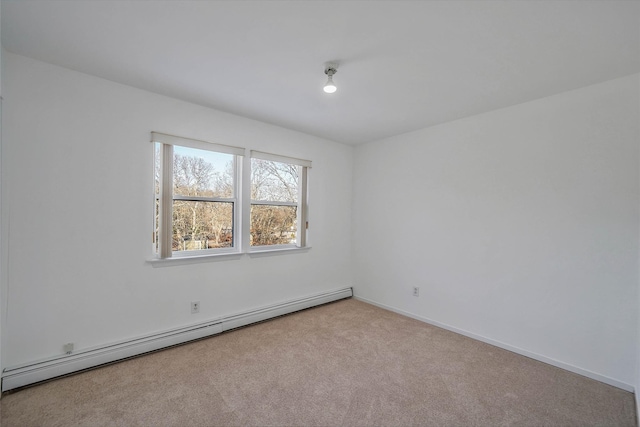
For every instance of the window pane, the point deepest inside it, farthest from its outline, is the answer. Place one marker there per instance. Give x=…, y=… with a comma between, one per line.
x=157, y=177
x=202, y=225
x=202, y=173
x=273, y=225
x=156, y=225
x=274, y=181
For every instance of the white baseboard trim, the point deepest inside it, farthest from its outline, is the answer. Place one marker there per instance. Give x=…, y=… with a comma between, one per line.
x=635, y=394
x=26, y=374
x=539, y=357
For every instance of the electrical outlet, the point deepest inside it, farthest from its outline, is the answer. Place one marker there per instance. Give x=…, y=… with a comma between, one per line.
x=68, y=347
x=195, y=307
x=416, y=291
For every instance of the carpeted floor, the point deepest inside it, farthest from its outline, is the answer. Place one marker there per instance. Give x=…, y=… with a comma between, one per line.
x=342, y=364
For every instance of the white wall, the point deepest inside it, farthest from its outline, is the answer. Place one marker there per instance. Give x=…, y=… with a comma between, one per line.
x=78, y=163
x=519, y=226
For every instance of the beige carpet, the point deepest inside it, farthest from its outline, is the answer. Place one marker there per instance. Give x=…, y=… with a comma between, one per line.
x=343, y=364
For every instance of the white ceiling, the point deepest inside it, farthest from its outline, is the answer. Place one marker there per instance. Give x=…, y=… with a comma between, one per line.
x=404, y=65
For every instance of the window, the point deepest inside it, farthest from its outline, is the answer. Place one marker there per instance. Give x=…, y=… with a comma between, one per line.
x=196, y=196
x=210, y=199
x=278, y=201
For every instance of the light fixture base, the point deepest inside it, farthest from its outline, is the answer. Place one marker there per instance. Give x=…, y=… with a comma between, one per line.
x=330, y=68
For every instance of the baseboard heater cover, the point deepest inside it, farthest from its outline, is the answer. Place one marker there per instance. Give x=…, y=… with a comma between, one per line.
x=40, y=371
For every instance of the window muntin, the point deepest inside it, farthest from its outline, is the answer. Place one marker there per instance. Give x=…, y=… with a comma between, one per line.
x=196, y=189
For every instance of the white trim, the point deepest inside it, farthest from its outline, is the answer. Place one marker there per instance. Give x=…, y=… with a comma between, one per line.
x=275, y=250
x=303, y=221
x=272, y=203
x=245, y=203
x=25, y=374
x=238, y=205
x=194, y=259
x=532, y=355
x=278, y=158
x=257, y=251
x=195, y=253
x=203, y=199
x=635, y=395
x=165, y=228
x=36, y=372
x=260, y=314
x=195, y=143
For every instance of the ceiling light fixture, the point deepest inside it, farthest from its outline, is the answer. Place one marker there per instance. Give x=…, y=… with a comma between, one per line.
x=330, y=70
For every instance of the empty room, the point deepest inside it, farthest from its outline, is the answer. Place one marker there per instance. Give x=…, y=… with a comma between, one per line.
x=319, y=213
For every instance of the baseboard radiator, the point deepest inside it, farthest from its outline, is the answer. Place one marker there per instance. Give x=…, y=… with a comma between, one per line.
x=27, y=374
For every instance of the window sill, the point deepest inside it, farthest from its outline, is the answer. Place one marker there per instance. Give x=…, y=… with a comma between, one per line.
x=255, y=253
x=165, y=262
x=275, y=251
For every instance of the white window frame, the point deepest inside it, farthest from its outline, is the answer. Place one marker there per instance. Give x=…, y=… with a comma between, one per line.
x=241, y=202
x=166, y=196
x=302, y=204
